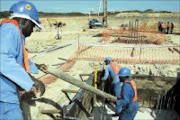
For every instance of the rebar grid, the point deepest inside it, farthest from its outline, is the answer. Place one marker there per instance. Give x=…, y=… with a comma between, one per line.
x=133, y=36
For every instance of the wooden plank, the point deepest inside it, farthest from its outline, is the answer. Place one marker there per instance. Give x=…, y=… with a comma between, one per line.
x=78, y=83
x=50, y=111
x=70, y=91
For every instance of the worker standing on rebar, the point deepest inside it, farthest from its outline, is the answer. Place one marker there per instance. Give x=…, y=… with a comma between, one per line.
x=127, y=105
x=14, y=63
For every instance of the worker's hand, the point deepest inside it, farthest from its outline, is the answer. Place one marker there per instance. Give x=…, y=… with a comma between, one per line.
x=39, y=87
x=42, y=67
x=28, y=97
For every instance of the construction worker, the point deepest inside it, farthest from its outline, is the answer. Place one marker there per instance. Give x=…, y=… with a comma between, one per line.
x=159, y=26
x=161, y=30
x=164, y=27
x=171, y=27
x=112, y=70
x=127, y=105
x=14, y=63
x=167, y=28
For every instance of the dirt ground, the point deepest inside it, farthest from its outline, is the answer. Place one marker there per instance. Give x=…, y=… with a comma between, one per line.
x=75, y=32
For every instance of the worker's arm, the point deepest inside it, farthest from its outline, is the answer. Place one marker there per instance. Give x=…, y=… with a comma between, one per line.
x=126, y=97
x=106, y=73
x=9, y=67
x=116, y=80
x=14, y=72
x=33, y=67
x=117, y=88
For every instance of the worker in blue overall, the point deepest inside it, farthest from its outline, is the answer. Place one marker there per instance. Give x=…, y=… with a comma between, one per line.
x=127, y=105
x=14, y=64
x=111, y=70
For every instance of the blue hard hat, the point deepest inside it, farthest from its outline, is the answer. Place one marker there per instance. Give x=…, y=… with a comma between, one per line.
x=124, y=72
x=25, y=9
x=109, y=59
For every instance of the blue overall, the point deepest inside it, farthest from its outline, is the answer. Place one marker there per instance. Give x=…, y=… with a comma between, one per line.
x=108, y=71
x=117, y=86
x=12, y=74
x=125, y=106
x=116, y=82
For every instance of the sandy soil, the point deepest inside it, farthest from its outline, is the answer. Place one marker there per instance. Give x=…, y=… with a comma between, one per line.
x=76, y=31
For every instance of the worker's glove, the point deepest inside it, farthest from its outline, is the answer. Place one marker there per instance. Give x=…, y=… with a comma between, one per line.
x=28, y=97
x=38, y=87
x=42, y=67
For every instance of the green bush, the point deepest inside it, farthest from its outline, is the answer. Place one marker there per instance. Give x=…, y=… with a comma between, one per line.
x=4, y=14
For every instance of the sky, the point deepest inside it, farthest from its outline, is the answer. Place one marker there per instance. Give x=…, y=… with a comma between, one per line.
x=85, y=6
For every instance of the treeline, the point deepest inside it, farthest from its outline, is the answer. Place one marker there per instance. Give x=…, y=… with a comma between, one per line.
x=5, y=14
x=147, y=11
x=42, y=14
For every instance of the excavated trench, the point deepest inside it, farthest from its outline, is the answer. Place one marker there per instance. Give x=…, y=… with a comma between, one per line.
x=154, y=92
x=159, y=94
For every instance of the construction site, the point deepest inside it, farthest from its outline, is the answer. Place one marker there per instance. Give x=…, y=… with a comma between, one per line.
x=74, y=55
